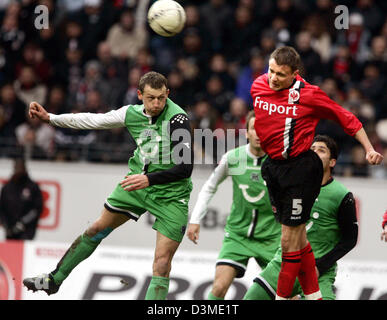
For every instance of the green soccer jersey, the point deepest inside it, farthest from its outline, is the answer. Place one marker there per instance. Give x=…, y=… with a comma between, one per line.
x=323, y=230
x=251, y=214
x=154, y=148
x=251, y=211
x=334, y=203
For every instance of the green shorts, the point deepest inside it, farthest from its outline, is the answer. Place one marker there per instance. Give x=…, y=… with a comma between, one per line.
x=269, y=276
x=171, y=214
x=237, y=250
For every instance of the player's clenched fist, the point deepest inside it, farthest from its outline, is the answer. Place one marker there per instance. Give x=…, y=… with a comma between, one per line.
x=374, y=157
x=37, y=111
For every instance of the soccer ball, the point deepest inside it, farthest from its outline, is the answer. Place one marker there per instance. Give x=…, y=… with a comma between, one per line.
x=166, y=17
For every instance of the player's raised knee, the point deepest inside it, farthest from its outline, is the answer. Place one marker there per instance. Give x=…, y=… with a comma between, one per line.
x=161, y=265
x=219, y=288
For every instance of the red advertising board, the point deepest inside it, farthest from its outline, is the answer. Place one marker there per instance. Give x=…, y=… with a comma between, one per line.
x=11, y=269
x=51, y=192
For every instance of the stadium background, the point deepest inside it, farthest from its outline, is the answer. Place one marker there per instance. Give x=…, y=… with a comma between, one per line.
x=90, y=59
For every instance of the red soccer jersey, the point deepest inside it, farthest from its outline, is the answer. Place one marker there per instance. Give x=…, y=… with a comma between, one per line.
x=285, y=120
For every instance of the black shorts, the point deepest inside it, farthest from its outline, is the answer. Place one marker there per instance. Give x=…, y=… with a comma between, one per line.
x=293, y=184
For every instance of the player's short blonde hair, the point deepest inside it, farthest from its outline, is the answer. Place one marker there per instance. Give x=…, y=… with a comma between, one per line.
x=287, y=56
x=154, y=79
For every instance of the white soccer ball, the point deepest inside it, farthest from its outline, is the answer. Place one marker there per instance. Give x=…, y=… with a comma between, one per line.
x=166, y=17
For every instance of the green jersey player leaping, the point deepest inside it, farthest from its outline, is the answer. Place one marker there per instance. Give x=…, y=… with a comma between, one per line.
x=157, y=180
x=251, y=230
x=332, y=231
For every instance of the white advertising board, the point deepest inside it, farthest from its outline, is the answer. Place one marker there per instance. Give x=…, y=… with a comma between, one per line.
x=116, y=273
x=75, y=193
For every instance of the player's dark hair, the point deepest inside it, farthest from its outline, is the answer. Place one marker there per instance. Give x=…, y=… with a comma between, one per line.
x=287, y=56
x=154, y=79
x=330, y=143
x=250, y=115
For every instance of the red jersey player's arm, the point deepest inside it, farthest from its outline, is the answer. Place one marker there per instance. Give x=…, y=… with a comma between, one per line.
x=372, y=156
x=326, y=108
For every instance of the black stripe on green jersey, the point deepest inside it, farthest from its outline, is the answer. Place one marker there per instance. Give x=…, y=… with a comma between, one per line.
x=179, y=171
x=117, y=210
x=347, y=222
x=238, y=267
x=253, y=223
x=269, y=290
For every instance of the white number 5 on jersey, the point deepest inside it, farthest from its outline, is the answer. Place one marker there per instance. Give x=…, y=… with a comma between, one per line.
x=297, y=207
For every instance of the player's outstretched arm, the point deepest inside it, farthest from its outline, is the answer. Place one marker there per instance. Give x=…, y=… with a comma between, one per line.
x=347, y=121
x=37, y=111
x=83, y=121
x=372, y=156
x=193, y=232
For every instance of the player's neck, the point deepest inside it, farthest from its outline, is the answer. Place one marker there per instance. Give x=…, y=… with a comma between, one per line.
x=326, y=177
x=257, y=152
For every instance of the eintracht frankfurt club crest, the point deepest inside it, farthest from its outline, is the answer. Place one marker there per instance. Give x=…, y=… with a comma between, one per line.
x=294, y=96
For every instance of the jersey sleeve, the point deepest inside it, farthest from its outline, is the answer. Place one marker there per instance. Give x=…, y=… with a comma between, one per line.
x=384, y=219
x=90, y=121
x=208, y=190
x=346, y=218
x=325, y=107
x=179, y=126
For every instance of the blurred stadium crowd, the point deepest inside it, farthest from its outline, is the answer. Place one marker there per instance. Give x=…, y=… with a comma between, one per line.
x=94, y=52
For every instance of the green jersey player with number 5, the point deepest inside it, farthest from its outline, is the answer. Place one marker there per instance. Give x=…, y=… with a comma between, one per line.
x=251, y=230
x=332, y=231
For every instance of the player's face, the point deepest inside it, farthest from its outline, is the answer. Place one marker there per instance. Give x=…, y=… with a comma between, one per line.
x=280, y=77
x=325, y=155
x=254, y=141
x=154, y=99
